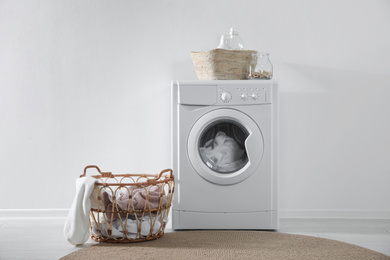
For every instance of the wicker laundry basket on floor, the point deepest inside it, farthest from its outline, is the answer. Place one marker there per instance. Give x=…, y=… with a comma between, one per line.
x=130, y=207
x=220, y=64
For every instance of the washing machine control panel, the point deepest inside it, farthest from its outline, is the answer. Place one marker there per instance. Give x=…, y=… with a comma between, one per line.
x=244, y=95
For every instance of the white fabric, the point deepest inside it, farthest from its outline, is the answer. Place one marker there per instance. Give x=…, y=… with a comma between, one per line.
x=222, y=153
x=76, y=229
x=132, y=227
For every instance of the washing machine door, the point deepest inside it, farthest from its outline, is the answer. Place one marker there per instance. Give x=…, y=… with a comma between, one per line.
x=225, y=146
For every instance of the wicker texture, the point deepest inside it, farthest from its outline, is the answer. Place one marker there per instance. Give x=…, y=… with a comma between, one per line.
x=150, y=211
x=220, y=64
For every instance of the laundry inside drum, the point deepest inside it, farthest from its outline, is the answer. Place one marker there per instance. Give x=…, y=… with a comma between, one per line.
x=222, y=146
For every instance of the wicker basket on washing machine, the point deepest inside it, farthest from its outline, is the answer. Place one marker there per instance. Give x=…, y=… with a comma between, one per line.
x=220, y=64
x=130, y=207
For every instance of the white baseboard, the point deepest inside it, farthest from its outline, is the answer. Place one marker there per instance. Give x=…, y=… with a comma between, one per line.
x=33, y=213
x=347, y=214
x=283, y=213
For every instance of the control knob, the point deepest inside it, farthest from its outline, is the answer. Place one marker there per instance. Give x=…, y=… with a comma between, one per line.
x=226, y=96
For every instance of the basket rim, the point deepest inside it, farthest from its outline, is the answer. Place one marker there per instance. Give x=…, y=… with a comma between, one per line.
x=145, y=183
x=224, y=50
x=156, y=178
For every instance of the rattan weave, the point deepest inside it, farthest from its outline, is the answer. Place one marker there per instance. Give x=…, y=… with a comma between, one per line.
x=220, y=64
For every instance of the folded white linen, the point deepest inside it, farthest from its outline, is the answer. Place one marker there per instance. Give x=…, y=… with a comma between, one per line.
x=76, y=229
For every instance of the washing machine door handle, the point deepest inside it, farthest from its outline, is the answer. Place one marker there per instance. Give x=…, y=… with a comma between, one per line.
x=254, y=146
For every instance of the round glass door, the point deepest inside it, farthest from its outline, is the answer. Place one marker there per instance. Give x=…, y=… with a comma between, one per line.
x=225, y=146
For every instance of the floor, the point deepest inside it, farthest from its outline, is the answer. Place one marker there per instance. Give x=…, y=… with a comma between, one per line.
x=43, y=238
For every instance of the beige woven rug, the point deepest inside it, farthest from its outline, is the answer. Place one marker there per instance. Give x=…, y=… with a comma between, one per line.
x=213, y=244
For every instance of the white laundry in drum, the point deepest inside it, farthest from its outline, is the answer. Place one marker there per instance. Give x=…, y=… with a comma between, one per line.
x=222, y=153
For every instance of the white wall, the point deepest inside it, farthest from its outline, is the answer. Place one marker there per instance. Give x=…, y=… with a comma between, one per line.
x=88, y=82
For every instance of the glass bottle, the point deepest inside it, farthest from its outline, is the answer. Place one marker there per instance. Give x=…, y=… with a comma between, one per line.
x=234, y=40
x=261, y=66
x=223, y=43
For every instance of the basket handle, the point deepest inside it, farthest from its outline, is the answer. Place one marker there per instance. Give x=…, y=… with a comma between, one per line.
x=164, y=171
x=104, y=174
x=153, y=181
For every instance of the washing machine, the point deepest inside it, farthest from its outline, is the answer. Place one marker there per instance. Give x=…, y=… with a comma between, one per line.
x=225, y=154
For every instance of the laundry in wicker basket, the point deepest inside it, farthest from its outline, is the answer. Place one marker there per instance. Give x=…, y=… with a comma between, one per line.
x=123, y=226
x=140, y=196
x=120, y=208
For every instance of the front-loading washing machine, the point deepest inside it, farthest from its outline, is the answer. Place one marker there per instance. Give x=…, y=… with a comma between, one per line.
x=224, y=154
